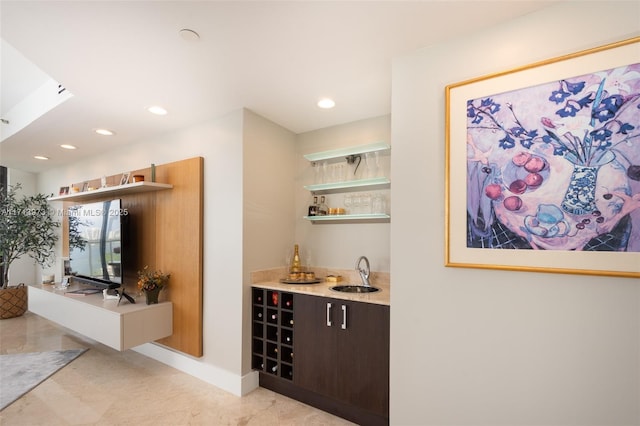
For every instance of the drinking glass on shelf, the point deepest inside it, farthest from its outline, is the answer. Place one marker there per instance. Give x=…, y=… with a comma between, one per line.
x=365, y=203
x=325, y=172
x=317, y=173
x=355, y=203
x=340, y=172
x=378, y=204
x=370, y=165
x=347, y=203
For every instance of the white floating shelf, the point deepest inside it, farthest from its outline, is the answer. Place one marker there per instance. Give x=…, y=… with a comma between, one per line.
x=348, y=217
x=374, y=183
x=345, y=152
x=130, y=188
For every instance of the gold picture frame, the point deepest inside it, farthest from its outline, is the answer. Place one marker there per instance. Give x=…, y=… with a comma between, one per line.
x=517, y=142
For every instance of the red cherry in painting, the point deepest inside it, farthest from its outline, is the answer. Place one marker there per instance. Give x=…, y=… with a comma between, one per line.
x=533, y=179
x=518, y=186
x=493, y=191
x=534, y=165
x=521, y=158
x=512, y=203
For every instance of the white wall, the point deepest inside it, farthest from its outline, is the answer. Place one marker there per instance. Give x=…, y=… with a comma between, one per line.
x=479, y=347
x=339, y=245
x=268, y=185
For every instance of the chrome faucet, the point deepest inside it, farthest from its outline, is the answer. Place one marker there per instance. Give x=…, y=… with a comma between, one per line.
x=364, y=272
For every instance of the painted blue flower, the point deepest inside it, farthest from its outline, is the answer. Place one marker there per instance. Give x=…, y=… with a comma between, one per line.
x=507, y=142
x=558, y=96
x=518, y=131
x=584, y=102
x=575, y=88
x=608, y=108
x=601, y=134
x=471, y=110
x=489, y=103
x=526, y=142
x=569, y=110
x=625, y=128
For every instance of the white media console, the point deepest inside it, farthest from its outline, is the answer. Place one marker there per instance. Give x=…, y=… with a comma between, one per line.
x=120, y=326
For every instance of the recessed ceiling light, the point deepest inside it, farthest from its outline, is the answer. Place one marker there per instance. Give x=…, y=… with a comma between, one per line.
x=157, y=110
x=67, y=146
x=104, y=132
x=40, y=157
x=326, y=103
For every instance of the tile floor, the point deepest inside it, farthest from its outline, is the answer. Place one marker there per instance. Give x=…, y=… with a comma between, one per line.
x=107, y=387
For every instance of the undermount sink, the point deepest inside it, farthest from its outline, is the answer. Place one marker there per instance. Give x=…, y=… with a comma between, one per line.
x=354, y=289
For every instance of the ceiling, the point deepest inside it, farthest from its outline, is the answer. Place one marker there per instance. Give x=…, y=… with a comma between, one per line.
x=275, y=58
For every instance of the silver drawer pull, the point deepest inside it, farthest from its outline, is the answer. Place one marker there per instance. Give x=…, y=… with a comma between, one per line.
x=328, y=314
x=344, y=317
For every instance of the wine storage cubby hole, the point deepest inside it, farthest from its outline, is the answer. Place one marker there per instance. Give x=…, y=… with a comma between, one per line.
x=272, y=324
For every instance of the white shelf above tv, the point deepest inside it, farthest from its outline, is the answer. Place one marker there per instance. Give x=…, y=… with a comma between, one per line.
x=129, y=188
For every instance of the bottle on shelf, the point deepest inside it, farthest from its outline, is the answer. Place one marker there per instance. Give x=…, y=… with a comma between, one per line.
x=296, y=265
x=323, y=209
x=313, y=208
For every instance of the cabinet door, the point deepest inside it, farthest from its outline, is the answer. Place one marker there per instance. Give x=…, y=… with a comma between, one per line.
x=363, y=355
x=315, y=344
x=347, y=360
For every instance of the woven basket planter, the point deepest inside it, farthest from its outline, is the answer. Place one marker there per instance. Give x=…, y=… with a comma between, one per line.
x=13, y=301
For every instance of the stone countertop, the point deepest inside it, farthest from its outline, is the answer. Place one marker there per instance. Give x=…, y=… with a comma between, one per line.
x=323, y=289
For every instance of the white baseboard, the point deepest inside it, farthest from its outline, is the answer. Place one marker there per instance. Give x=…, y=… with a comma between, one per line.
x=223, y=379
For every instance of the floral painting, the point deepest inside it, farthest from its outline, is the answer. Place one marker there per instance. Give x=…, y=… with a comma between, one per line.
x=556, y=166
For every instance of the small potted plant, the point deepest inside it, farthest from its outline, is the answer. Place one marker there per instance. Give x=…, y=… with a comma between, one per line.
x=151, y=282
x=27, y=227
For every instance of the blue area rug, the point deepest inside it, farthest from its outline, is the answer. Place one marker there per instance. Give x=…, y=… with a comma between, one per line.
x=19, y=373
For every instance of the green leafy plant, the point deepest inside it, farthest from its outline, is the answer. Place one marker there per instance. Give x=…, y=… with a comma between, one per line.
x=27, y=227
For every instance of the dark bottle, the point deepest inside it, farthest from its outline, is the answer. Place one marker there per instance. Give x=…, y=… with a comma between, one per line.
x=313, y=208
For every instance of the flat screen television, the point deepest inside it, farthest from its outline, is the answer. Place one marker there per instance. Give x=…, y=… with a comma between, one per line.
x=95, y=243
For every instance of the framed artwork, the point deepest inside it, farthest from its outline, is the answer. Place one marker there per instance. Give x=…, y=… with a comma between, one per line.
x=543, y=166
x=64, y=190
x=85, y=187
x=125, y=178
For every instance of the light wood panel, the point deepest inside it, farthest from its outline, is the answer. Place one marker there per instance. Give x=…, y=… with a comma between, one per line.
x=179, y=241
x=165, y=232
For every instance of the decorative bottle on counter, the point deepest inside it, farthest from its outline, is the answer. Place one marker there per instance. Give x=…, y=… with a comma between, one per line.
x=296, y=266
x=313, y=209
x=323, y=209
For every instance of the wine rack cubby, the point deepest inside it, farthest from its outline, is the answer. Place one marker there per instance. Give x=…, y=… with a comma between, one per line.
x=272, y=324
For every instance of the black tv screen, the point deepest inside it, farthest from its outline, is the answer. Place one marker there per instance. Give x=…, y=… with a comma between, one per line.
x=95, y=243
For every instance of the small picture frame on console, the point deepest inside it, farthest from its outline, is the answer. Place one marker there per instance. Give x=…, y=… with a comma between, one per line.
x=125, y=178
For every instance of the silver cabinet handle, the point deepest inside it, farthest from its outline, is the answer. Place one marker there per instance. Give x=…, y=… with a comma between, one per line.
x=344, y=317
x=328, y=314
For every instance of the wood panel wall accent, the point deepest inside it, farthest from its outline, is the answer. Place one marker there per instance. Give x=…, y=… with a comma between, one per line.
x=166, y=233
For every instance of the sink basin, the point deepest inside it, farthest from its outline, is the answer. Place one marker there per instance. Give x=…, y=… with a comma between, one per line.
x=354, y=289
